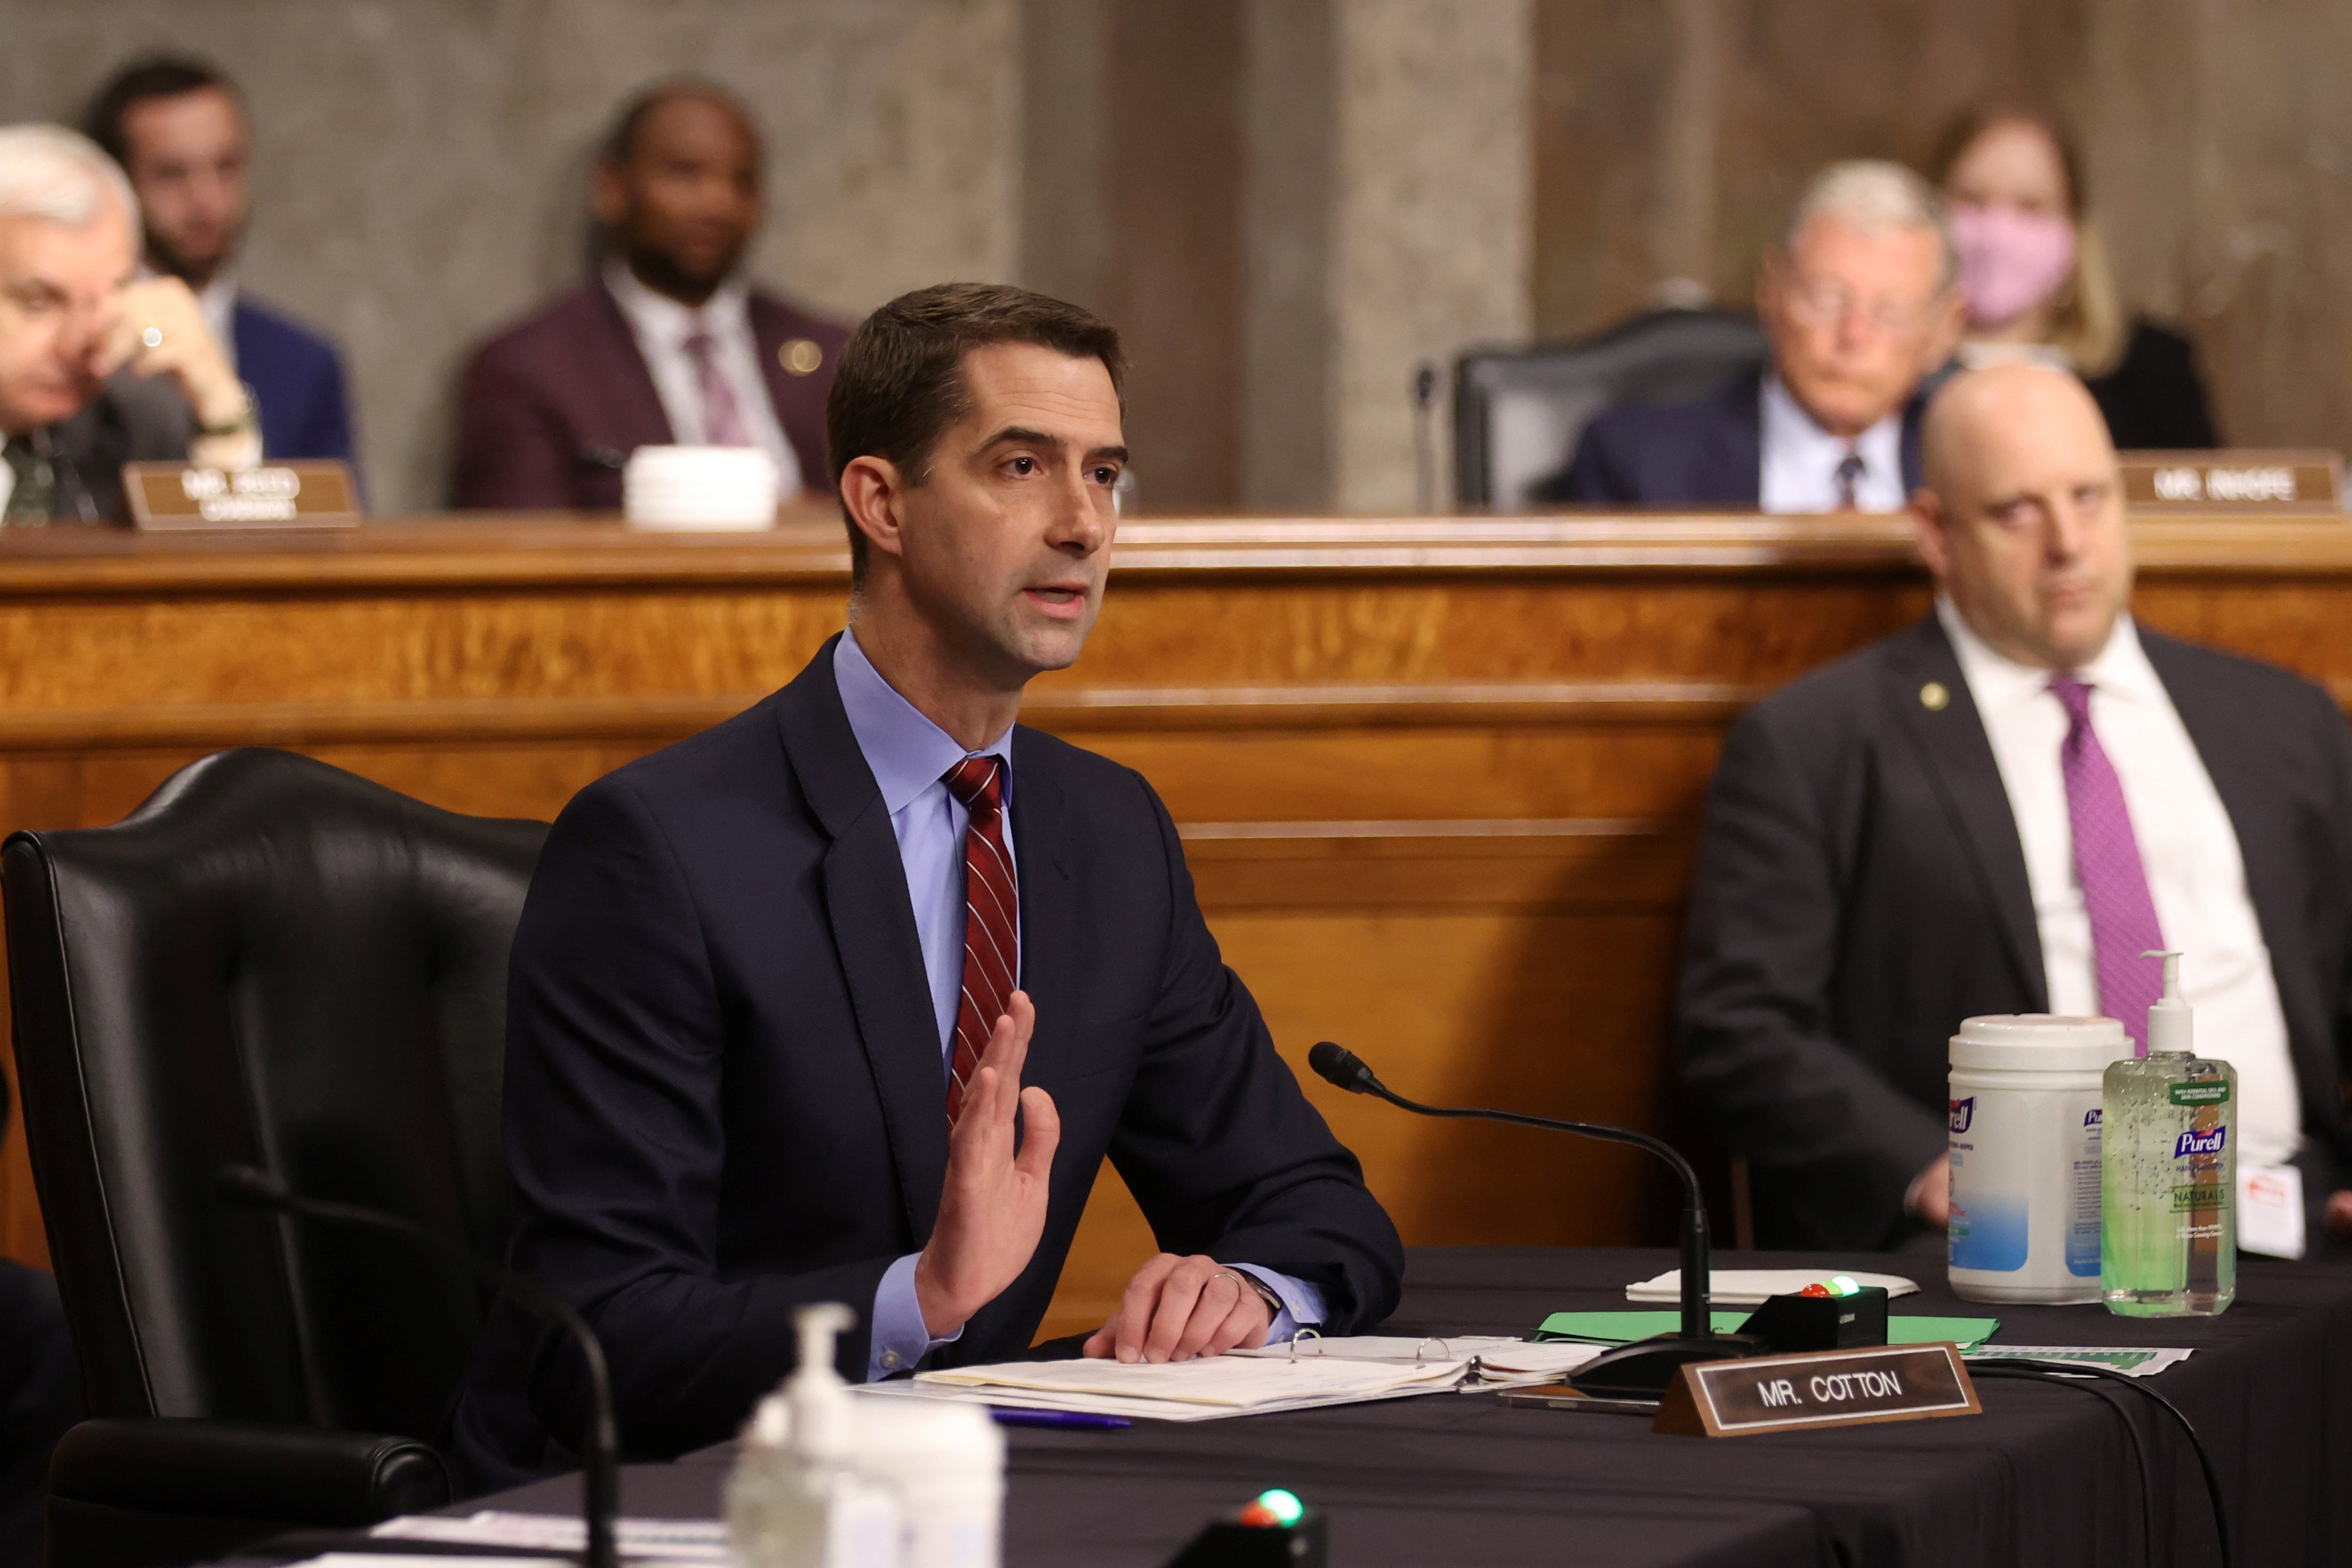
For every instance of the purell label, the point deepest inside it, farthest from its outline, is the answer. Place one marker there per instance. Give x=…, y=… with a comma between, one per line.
x=2195, y=1142
x=2206, y=1092
x=2091, y=1117
x=1964, y=1111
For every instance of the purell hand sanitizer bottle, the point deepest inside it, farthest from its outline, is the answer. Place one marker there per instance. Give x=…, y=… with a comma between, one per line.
x=2168, y=1225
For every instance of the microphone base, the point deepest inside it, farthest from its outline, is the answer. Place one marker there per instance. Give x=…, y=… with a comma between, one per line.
x=1642, y=1370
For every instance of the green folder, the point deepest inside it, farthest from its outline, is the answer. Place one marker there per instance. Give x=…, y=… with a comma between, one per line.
x=1624, y=1328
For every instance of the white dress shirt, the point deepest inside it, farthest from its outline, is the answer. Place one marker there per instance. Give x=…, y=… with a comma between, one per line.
x=1801, y=460
x=2196, y=874
x=661, y=326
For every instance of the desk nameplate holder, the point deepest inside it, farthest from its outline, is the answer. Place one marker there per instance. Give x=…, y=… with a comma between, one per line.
x=180, y=497
x=2275, y=483
x=1854, y=1387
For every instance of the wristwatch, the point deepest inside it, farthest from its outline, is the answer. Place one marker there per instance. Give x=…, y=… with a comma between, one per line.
x=1275, y=1305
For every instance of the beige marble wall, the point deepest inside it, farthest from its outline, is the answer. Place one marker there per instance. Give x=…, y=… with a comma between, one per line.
x=1432, y=217
x=422, y=162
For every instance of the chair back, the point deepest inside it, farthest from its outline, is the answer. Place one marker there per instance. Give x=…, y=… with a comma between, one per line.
x=1518, y=413
x=275, y=963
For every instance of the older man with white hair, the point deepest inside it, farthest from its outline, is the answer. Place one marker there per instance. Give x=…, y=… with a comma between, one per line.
x=2001, y=809
x=1858, y=301
x=96, y=369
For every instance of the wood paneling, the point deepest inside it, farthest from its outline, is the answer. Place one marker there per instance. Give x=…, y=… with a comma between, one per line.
x=1438, y=778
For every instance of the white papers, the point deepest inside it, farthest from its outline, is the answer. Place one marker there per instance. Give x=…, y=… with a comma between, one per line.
x=418, y=1560
x=1749, y=1287
x=1209, y=1389
x=699, y=1540
x=1502, y=1360
x=2270, y=1210
x=2136, y=1361
x=1231, y=1381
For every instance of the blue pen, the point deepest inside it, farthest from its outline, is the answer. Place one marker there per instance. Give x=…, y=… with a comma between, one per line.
x=1061, y=1420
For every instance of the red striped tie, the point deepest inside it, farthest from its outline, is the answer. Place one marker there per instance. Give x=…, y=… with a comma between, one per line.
x=991, y=922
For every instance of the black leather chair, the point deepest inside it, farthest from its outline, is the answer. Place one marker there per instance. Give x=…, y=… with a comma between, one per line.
x=1518, y=413
x=275, y=962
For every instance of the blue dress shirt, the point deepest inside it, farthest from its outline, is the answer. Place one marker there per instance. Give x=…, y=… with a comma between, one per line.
x=909, y=757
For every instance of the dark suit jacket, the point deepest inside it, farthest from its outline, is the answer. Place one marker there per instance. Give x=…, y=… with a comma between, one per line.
x=297, y=382
x=1861, y=890
x=1709, y=453
x=725, y=1094
x=550, y=409
x=132, y=420
x=2155, y=396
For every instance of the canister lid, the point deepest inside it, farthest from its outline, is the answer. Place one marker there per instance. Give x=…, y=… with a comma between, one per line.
x=2031, y=1042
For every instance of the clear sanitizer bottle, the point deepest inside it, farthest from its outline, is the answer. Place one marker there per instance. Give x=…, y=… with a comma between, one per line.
x=2169, y=1202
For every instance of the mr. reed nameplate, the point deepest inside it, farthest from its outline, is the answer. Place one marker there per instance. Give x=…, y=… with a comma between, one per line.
x=1826, y=1388
x=167, y=496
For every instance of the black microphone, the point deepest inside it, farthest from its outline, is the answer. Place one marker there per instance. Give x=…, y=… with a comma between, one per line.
x=601, y=1490
x=1644, y=1368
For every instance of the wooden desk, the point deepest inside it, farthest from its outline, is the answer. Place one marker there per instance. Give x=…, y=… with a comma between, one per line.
x=1438, y=778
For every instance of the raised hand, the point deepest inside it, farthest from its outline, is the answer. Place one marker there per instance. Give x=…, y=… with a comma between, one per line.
x=992, y=1206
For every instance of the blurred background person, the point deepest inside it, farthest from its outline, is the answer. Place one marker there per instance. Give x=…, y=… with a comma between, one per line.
x=1890, y=848
x=1858, y=303
x=96, y=369
x=668, y=343
x=2035, y=274
x=178, y=128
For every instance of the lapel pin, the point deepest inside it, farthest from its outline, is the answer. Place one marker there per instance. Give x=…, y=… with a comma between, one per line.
x=798, y=356
x=1933, y=697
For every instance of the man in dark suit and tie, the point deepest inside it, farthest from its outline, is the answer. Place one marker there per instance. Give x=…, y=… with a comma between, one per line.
x=1859, y=305
x=1998, y=811
x=667, y=343
x=848, y=998
x=178, y=128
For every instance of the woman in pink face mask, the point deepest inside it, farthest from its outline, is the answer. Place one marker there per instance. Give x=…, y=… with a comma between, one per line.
x=2035, y=274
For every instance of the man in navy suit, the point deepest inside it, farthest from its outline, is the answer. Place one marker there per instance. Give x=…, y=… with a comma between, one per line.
x=848, y=998
x=179, y=130
x=1859, y=305
x=667, y=343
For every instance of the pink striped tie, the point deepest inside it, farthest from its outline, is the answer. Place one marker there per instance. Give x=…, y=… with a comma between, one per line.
x=992, y=923
x=722, y=417
x=2107, y=865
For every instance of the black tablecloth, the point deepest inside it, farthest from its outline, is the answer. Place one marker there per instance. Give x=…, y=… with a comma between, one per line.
x=2044, y=1477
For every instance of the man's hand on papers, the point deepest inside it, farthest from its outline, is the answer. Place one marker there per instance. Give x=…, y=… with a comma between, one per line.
x=992, y=1206
x=1178, y=1307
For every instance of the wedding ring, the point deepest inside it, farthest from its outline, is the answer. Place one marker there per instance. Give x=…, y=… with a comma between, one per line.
x=152, y=337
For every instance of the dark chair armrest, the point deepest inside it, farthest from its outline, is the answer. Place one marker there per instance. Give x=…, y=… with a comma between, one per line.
x=233, y=1469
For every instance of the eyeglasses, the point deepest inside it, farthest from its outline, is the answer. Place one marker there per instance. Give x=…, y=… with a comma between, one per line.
x=1819, y=302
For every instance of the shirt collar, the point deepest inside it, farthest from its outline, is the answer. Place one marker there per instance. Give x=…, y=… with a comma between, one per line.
x=1996, y=682
x=906, y=752
x=658, y=318
x=1789, y=428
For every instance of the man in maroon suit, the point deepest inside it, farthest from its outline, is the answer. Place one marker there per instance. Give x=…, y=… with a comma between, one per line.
x=667, y=344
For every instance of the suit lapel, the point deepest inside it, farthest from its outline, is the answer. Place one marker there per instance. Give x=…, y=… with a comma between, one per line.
x=1731, y=465
x=2237, y=767
x=1950, y=736
x=636, y=405
x=797, y=399
x=873, y=925
x=1049, y=910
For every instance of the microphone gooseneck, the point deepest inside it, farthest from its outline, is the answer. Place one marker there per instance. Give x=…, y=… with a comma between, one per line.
x=1344, y=1068
x=601, y=1491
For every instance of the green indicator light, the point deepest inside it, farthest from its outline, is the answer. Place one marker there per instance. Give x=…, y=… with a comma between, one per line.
x=1845, y=1285
x=1284, y=1506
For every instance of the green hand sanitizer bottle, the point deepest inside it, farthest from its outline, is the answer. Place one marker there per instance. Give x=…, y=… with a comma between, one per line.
x=2168, y=1200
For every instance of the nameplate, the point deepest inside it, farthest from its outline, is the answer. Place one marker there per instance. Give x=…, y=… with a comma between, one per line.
x=168, y=497
x=1826, y=1388
x=2233, y=481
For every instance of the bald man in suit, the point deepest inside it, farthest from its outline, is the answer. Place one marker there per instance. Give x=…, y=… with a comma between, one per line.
x=1889, y=848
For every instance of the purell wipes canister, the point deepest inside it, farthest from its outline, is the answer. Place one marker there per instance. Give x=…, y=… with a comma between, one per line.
x=2025, y=1156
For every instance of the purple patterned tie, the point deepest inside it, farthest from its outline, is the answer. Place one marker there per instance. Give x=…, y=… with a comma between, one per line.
x=722, y=419
x=2107, y=864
